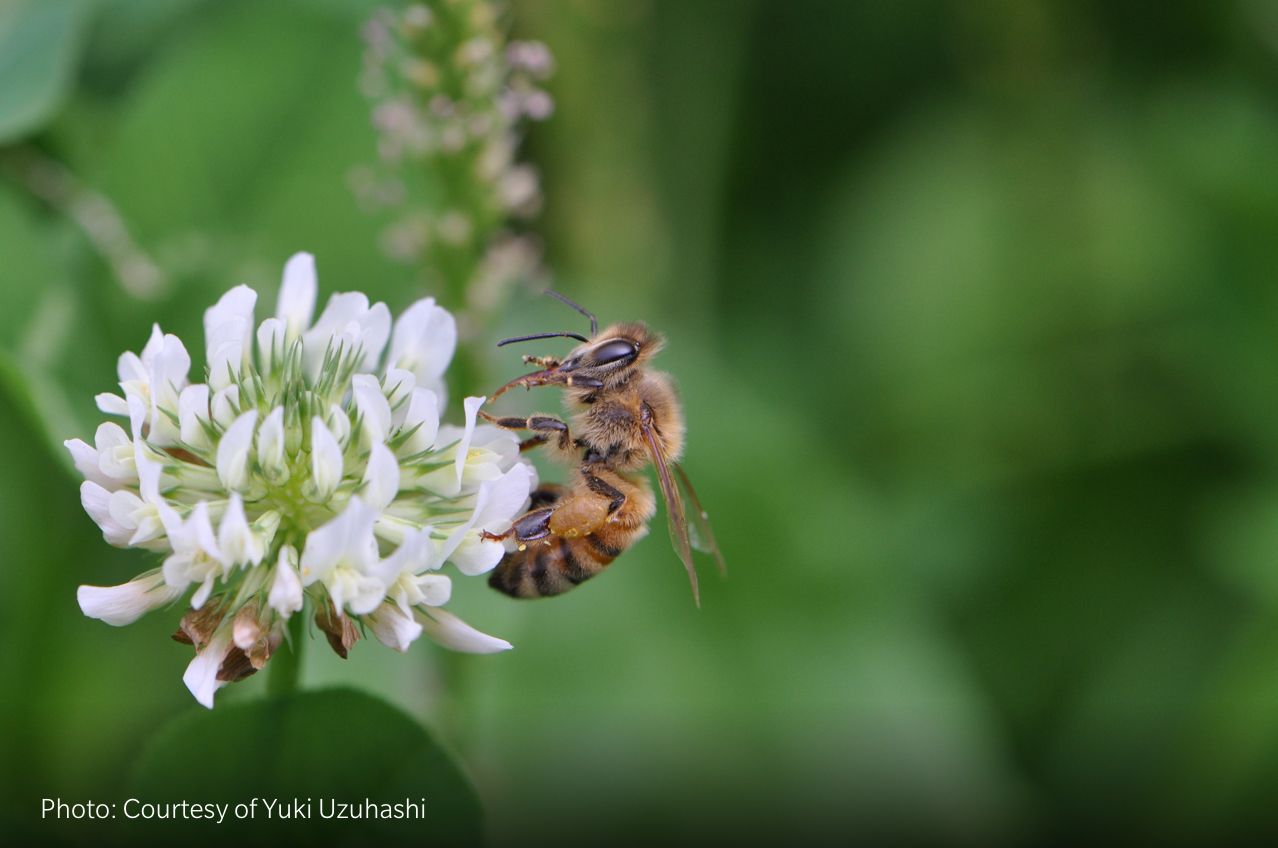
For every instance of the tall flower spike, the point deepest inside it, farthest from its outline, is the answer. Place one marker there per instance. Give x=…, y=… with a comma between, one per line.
x=311, y=439
x=448, y=97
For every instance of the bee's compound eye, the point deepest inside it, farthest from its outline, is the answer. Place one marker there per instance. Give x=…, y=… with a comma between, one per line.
x=612, y=351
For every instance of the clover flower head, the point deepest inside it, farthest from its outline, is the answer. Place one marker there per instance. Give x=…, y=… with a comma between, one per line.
x=309, y=468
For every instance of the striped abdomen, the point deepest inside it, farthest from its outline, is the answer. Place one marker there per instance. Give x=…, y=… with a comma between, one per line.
x=551, y=567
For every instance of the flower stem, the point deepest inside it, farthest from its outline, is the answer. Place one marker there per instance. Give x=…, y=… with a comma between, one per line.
x=286, y=664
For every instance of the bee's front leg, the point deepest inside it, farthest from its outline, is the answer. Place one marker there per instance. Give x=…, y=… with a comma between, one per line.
x=544, y=361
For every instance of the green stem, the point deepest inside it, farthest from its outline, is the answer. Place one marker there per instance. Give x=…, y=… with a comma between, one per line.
x=286, y=663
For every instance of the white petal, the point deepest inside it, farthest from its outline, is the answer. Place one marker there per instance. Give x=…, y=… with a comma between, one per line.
x=168, y=371
x=228, y=331
x=110, y=435
x=451, y=632
x=119, y=464
x=233, y=452
x=193, y=408
x=347, y=541
x=360, y=593
x=202, y=594
x=129, y=367
x=434, y=589
x=97, y=503
x=423, y=413
x=398, y=387
x=86, y=462
x=137, y=417
x=201, y=674
x=493, y=504
x=126, y=603
x=135, y=515
x=152, y=349
x=326, y=459
x=471, y=405
x=381, y=479
x=476, y=556
x=225, y=406
x=424, y=341
x=392, y=628
x=339, y=424
x=416, y=553
x=481, y=466
x=127, y=509
x=506, y=497
x=286, y=590
x=230, y=319
x=236, y=540
x=298, y=292
x=270, y=444
x=149, y=486
x=373, y=408
x=112, y=404
x=375, y=329
x=340, y=311
x=200, y=530
x=270, y=346
x=225, y=364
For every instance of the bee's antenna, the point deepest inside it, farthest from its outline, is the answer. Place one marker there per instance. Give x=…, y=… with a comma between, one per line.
x=541, y=336
x=594, y=324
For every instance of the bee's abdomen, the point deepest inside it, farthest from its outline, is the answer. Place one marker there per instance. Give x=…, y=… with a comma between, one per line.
x=551, y=567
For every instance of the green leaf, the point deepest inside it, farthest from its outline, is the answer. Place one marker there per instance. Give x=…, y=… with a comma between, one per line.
x=332, y=746
x=52, y=357
x=39, y=49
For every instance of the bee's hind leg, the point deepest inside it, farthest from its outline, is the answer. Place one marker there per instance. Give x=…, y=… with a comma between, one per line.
x=534, y=524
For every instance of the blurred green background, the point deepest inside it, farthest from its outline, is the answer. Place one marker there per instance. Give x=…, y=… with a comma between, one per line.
x=974, y=307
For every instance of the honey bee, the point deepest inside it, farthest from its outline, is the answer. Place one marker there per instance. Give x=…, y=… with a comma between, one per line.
x=625, y=416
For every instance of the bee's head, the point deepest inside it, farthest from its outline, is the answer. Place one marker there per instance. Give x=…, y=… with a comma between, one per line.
x=610, y=358
x=603, y=361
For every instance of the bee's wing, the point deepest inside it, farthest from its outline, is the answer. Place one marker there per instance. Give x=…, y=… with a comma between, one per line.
x=702, y=535
x=674, y=503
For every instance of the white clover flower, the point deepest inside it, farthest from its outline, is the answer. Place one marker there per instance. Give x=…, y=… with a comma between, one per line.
x=311, y=438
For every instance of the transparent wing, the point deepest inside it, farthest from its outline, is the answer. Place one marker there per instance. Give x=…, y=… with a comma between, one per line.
x=699, y=524
x=674, y=502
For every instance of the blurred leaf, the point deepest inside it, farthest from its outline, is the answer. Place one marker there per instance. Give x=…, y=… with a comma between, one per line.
x=1226, y=767
x=125, y=26
x=231, y=153
x=39, y=49
x=34, y=585
x=178, y=122
x=1007, y=295
x=50, y=349
x=337, y=745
